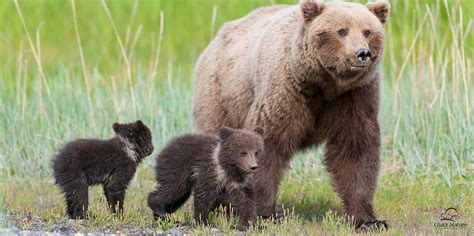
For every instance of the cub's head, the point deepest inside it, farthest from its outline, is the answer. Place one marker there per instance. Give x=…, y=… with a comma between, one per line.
x=239, y=151
x=346, y=39
x=137, y=135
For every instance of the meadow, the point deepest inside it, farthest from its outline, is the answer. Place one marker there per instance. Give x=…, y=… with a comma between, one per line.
x=69, y=69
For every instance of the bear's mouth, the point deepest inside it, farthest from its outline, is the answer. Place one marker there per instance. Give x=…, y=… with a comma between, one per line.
x=358, y=67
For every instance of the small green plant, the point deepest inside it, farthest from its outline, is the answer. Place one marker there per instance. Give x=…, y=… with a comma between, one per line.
x=3, y=223
x=333, y=223
x=165, y=224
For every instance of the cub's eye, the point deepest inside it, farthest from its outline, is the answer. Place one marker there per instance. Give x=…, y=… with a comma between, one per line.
x=367, y=33
x=257, y=153
x=243, y=153
x=343, y=32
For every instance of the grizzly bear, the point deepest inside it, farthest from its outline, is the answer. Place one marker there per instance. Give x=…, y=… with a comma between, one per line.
x=214, y=168
x=308, y=74
x=112, y=163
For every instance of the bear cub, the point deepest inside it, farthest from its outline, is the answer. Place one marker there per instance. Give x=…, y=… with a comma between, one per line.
x=112, y=163
x=214, y=168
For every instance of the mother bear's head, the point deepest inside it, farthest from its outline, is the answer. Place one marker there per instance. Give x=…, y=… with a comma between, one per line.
x=346, y=39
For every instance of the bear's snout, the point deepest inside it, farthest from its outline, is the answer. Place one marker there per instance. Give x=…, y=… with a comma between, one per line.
x=363, y=55
x=251, y=165
x=150, y=149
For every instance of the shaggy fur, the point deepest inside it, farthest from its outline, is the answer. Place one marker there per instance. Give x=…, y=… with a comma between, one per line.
x=112, y=163
x=309, y=75
x=214, y=168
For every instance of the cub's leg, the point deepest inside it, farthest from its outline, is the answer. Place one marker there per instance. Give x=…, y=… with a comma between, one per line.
x=116, y=186
x=205, y=194
x=115, y=195
x=168, y=197
x=115, y=189
x=77, y=197
x=242, y=200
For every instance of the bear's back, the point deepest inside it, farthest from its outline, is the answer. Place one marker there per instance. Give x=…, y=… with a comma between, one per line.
x=232, y=59
x=88, y=155
x=239, y=36
x=186, y=149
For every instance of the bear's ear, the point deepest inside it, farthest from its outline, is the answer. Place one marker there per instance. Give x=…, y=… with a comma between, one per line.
x=117, y=127
x=259, y=130
x=225, y=132
x=380, y=9
x=139, y=123
x=310, y=9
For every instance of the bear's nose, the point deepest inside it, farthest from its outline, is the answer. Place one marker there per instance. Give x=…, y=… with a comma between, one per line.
x=363, y=55
x=253, y=167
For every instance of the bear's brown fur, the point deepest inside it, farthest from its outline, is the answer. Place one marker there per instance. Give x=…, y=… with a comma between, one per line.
x=308, y=74
x=216, y=168
x=111, y=163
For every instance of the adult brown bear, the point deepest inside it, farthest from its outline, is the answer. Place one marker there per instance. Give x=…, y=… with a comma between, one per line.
x=308, y=74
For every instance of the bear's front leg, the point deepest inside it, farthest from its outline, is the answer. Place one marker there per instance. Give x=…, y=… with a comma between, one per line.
x=115, y=196
x=268, y=178
x=204, y=197
x=352, y=159
x=242, y=200
x=115, y=188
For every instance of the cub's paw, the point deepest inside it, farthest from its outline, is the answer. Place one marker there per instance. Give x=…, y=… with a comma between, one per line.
x=279, y=212
x=376, y=225
x=157, y=216
x=276, y=215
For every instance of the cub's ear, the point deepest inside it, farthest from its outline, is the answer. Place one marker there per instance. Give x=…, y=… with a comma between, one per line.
x=259, y=130
x=139, y=122
x=380, y=8
x=117, y=127
x=225, y=132
x=310, y=9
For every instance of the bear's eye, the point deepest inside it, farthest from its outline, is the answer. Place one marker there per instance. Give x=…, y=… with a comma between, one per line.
x=243, y=153
x=367, y=33
x=343, y=32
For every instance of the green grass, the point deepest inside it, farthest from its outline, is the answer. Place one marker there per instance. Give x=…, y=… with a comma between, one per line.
x=426, y=111
x=2, y=214
x=311, y=207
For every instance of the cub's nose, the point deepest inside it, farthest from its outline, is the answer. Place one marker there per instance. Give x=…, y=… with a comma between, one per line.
x=363, y=55
x=151, y=149
x=253, y=167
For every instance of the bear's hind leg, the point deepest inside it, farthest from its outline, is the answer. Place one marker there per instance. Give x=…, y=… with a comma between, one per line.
x=178, y=202
x=77, y=199
x=168, y=197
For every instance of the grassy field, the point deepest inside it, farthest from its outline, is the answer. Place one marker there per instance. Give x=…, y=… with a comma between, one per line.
x=71, y=69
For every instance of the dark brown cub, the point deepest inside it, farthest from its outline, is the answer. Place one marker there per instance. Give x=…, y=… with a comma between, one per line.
x=214, y=168
x=112, y=163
